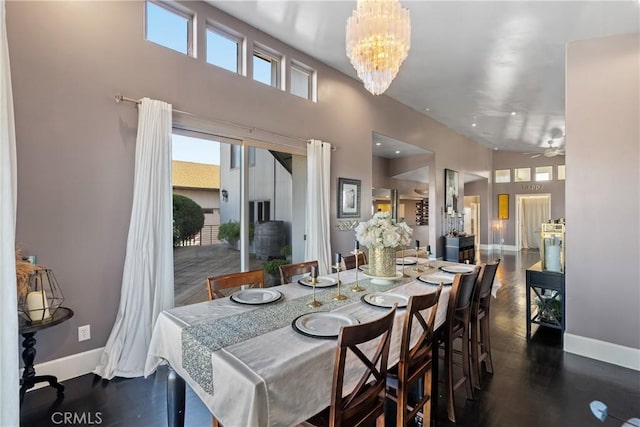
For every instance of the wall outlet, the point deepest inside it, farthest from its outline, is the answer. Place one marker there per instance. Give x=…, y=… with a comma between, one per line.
x=84, y=332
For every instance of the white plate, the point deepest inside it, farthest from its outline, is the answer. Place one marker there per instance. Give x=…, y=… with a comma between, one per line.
x=379, y=280
x=321, y=282
x=455, y=269
x=386, y=299
x=407, y=261
x=323, y=324
x=363, y=267
x=256, y=296
x=436, y=279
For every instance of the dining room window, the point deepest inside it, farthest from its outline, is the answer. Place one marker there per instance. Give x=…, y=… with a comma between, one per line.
x=302, y=81
x=561, y=172
x=522, y=175
x=266, y=66
x=224, y=48
x=170, y=25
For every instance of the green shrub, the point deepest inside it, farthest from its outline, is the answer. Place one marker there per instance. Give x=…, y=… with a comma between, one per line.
x=273, y=266
x=230, y=231
x=188, y=218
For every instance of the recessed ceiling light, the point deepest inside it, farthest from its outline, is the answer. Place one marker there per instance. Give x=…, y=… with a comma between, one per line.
x=427, y=109
x=473, y=124
x=495, y=148
x=513, y=113
x=378, y=143
x=397, y=151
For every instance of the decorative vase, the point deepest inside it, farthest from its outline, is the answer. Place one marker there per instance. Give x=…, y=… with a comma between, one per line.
x=382, y=262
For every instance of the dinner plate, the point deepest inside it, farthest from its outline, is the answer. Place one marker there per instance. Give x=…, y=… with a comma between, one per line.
x=436, y=279
x=322, y=324
x=456, y=269
x=407, y=261
x=385, y=299
x=321, y=282
x=256, y=296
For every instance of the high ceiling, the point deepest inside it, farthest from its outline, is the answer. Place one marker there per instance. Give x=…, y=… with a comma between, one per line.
x=493, y=71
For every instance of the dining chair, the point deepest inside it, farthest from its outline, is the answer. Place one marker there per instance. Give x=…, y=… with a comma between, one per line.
x=350, y=260
x=365, y=404
x=457, y=326
x=480, y=336
x=415, y=361
x=287, y=272
x=215, y=284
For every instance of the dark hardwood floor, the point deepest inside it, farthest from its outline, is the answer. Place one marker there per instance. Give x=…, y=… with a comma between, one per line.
x=534, y=384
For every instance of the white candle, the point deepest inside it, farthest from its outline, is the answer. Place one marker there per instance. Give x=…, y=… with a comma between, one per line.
x=36, y=303
x=449, y=210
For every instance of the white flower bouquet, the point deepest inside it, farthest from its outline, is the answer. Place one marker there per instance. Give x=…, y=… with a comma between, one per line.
x=382, y=231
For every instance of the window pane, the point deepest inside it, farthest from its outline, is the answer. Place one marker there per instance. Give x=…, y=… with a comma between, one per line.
x=167, y=28
x=262, y=70
x=544, y=173
x=561, y=172
x=222, y=51
x=235, y=156
x=300, y=83
x=503, y=175
x=252, y=156
x=522, y=175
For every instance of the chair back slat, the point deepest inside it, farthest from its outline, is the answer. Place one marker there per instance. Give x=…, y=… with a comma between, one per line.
x=365, y=403
x=290, y=270
x=461, y=294
x=215, y=284
x=350, y=260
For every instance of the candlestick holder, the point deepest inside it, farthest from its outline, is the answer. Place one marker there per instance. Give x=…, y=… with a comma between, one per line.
x=417, y=268
x=356, y=286
x=402, y=254
x=338, y=296
x=314, y=303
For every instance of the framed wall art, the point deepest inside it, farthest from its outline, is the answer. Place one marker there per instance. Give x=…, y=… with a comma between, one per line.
x=450, y=190
x=503, y=206
x=349, y=195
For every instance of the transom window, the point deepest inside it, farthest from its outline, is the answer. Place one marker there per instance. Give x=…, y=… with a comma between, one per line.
x=503, y=176
x=302, y=81
x=522, y=174
x=224, y=49
x=169, y=26
x=266, y=66
x=561, y=172
x=544, y=173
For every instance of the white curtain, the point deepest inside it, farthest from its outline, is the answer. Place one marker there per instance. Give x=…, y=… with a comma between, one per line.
x=9, y=377
x=318, y=243
x=147, y=279
x=535, y=211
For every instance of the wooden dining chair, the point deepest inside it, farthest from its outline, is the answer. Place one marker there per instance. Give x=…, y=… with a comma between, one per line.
x=480, y=336
x=350, y=260
x=415, y=362
x=215, y=284
x=365, y=404
x=290, y=270
x=457, y=326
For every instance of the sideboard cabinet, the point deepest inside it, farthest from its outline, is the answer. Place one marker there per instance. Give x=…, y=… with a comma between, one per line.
x=459, y=248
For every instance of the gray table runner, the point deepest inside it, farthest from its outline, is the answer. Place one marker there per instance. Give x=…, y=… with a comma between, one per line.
x=199, y=341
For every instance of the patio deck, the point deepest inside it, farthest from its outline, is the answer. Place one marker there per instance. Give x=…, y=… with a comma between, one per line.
x=193, y=264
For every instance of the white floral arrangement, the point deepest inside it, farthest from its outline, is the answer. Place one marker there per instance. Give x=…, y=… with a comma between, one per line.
x=382, y=231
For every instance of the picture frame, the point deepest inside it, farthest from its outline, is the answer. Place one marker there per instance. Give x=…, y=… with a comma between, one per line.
x=503, y=206
x=451, y=191
x=349, y=196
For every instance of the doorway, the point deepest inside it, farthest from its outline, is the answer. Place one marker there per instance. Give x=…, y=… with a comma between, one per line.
x=531, y=211
x=472, y=217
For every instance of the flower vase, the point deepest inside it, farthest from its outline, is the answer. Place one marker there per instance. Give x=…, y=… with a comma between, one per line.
x=382, y=262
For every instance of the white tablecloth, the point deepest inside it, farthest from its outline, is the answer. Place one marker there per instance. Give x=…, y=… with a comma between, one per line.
x=279, y=378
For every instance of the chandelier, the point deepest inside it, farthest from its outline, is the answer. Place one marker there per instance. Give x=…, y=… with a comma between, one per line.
x=378, y=40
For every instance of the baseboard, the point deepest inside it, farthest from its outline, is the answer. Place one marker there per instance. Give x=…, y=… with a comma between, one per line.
x=68, y=367
x=495, y=247
x=615, y=354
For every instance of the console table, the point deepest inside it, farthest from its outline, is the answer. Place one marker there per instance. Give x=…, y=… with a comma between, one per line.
x=28, y=329
x=548, y=289
x=459, y=249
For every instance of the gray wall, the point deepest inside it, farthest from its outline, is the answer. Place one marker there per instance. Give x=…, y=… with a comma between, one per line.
x=76, y=145
x=556, y=188
x=603, y=189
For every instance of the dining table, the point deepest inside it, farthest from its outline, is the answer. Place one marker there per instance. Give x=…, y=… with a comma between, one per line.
x=252, y=366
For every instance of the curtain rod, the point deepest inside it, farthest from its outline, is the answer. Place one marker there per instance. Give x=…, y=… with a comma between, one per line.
x=120, y=98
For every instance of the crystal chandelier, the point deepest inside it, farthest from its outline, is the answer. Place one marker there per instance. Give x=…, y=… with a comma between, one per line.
x=378, y=40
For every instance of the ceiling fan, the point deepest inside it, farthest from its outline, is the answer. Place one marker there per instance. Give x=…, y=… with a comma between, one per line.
x=551, y=151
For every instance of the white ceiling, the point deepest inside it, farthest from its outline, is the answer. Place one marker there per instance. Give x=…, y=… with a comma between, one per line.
x=470, y=62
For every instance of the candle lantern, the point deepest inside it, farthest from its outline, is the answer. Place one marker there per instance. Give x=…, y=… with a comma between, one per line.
x=42, y=298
